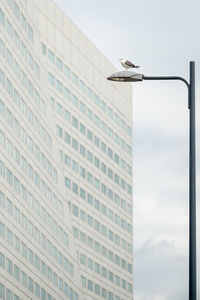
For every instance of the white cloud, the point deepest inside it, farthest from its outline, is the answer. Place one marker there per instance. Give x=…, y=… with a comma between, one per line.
x=160, y=272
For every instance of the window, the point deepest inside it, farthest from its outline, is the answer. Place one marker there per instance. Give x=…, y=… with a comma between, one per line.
x=30, y=32
x=103, y=147
x=90, y=285
x=90, y=220
x=82, y=107
x=82, y=215
x=103, y=168
x=16, y=273
x=16, y=11
x=37, y=290
x=104, y=293
x=9, y=266
x=90, y=114
x=97, y=268
x=9, y=28
x=2, y=18
x=30, y=284
x=75, y=144
x=82, y=150
x=75, y=188
x=75, y=122
x=2, y=78
x=83, y=172
x=67, y=72
x=9, y=294
x=89, y=178
x=75, y=101
x=82, y=129
x=75, y=79
x=89, y=93
x=2, y=261
x=89, y=135
x=59, y=64
x=117, y=260
x=59, y=86
x=23, y=22
x=51, y=79
x=67, y=138
x=2, y=230
x=96, y=100
x=96, y=141
x=82, y=87
x=2, y=46
x=104, y=272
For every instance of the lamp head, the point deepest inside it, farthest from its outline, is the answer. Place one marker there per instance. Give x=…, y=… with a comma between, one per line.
x=126, y=76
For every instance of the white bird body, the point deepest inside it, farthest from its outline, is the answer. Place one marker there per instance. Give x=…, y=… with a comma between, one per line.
x=127, y=64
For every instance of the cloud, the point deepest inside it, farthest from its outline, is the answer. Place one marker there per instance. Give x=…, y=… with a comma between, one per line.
x=160, y=272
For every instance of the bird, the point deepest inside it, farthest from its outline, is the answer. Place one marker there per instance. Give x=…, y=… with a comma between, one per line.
x=127, y=64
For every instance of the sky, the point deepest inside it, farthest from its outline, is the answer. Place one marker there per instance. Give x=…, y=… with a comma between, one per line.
x=162, y=37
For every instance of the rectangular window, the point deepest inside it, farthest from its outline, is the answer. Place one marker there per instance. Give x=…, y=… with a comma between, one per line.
x=75, y=79
x=75, y=100
x=2, y=18
x=67, y=72
x=30, y=33
x=23, y=22
x=59, y=64
x=51, y=79
x=9, y=28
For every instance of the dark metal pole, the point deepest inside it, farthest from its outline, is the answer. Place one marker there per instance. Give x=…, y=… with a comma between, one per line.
x=192, y=188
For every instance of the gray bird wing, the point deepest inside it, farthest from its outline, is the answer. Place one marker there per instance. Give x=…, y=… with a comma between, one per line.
x=130, y=64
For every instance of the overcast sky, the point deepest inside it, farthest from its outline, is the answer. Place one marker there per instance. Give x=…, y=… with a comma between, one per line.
x=162, y=37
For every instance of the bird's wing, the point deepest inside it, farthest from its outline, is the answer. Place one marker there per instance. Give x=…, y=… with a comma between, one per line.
x=130, y=64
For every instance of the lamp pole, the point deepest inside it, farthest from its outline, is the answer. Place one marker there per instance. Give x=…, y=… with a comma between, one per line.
x=126, y=76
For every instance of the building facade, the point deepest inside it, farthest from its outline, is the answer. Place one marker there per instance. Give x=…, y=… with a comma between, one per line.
x=65, y=162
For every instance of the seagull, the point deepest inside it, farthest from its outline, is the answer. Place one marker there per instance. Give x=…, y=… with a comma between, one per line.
x=127, y=64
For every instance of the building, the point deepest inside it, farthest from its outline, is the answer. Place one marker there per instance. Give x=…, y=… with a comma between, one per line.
x=65, y=162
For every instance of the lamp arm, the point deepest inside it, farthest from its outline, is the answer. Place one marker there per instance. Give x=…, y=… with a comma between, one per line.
x=166, y=78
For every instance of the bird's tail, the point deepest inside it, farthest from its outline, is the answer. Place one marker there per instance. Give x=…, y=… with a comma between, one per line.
x=137, y=66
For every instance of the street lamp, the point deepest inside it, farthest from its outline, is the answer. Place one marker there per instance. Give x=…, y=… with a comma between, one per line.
x=127, y=76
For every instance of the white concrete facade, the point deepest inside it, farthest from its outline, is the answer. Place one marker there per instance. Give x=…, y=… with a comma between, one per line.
x=65, y=162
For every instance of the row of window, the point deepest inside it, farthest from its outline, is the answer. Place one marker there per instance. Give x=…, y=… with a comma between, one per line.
x=21, y=247
x=97, y=183
x=30, y=284
x=100, y=249
x=86, y=90
x=40, y=211
x=100, y=291
x=84, y=174
x=27, y=196
x=27, y=168
x=20, y=160
x=85, y=132
x=34, y=259
x=93, y=117
x=100, y=144
x=94, y=181
x=107, y=233
x=79, y=191
x=7, y=294
x=28, y=141
x=33, y=120
x=103, y=271
x=21, y=18
x=5, y=53
x=97, y=122
x=13, y=64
